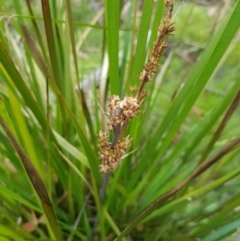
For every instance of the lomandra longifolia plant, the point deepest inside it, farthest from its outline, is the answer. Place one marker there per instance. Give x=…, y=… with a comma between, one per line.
x=122, y=111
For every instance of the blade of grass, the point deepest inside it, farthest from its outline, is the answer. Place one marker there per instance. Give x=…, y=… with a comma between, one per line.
x=191, y=195
x=140, y=51
x=163, y=198
x=36, y=181
x=220, y=214
x=76, y=170
x=51, y=43
x=124, y=68
x=35, y=52
x=56, y=57
x=8, y=65
x=5, y=192
x=31, y=103
x=157, y=19
x=221, y=126
x=191, y=90
x=193, y=138
x=71, y=150
x=112, y=223
x=7, y=234
x=21, y=124
x=83, y=108
x=200, y=76
x=112, y=13
x=223, y=231
x=37, y=31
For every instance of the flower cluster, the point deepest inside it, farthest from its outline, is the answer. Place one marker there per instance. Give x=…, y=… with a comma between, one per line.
x=165, y=29
x=122, y=111
x=111, y=157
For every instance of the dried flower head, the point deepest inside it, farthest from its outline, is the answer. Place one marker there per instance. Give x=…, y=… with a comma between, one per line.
x=165, y=29
x=122, y=111
x=111, y=157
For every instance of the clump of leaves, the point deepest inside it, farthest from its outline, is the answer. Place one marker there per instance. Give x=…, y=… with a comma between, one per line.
x=178, y=134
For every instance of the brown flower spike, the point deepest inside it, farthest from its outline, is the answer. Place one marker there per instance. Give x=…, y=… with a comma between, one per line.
x=121, y=111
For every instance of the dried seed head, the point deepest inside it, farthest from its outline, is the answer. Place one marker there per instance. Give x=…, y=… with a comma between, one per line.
x=150, y=68
x=113, y=104
x=142, y=96
x=111, y=158
x=130, y=107
x=122, y=110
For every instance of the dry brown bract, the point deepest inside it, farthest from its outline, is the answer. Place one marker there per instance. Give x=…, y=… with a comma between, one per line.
x=121, y=111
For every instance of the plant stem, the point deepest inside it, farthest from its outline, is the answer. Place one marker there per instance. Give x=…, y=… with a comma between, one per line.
x=116, y=136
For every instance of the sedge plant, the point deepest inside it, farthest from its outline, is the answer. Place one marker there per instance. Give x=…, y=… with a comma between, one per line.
x=165, y=164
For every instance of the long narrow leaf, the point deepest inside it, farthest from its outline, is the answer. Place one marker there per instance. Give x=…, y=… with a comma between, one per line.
x=36, y=181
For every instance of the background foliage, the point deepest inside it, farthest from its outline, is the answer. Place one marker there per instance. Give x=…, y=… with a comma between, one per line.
x=60, y=62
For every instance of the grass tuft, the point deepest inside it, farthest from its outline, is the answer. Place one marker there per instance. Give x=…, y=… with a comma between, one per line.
x=168, y=141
